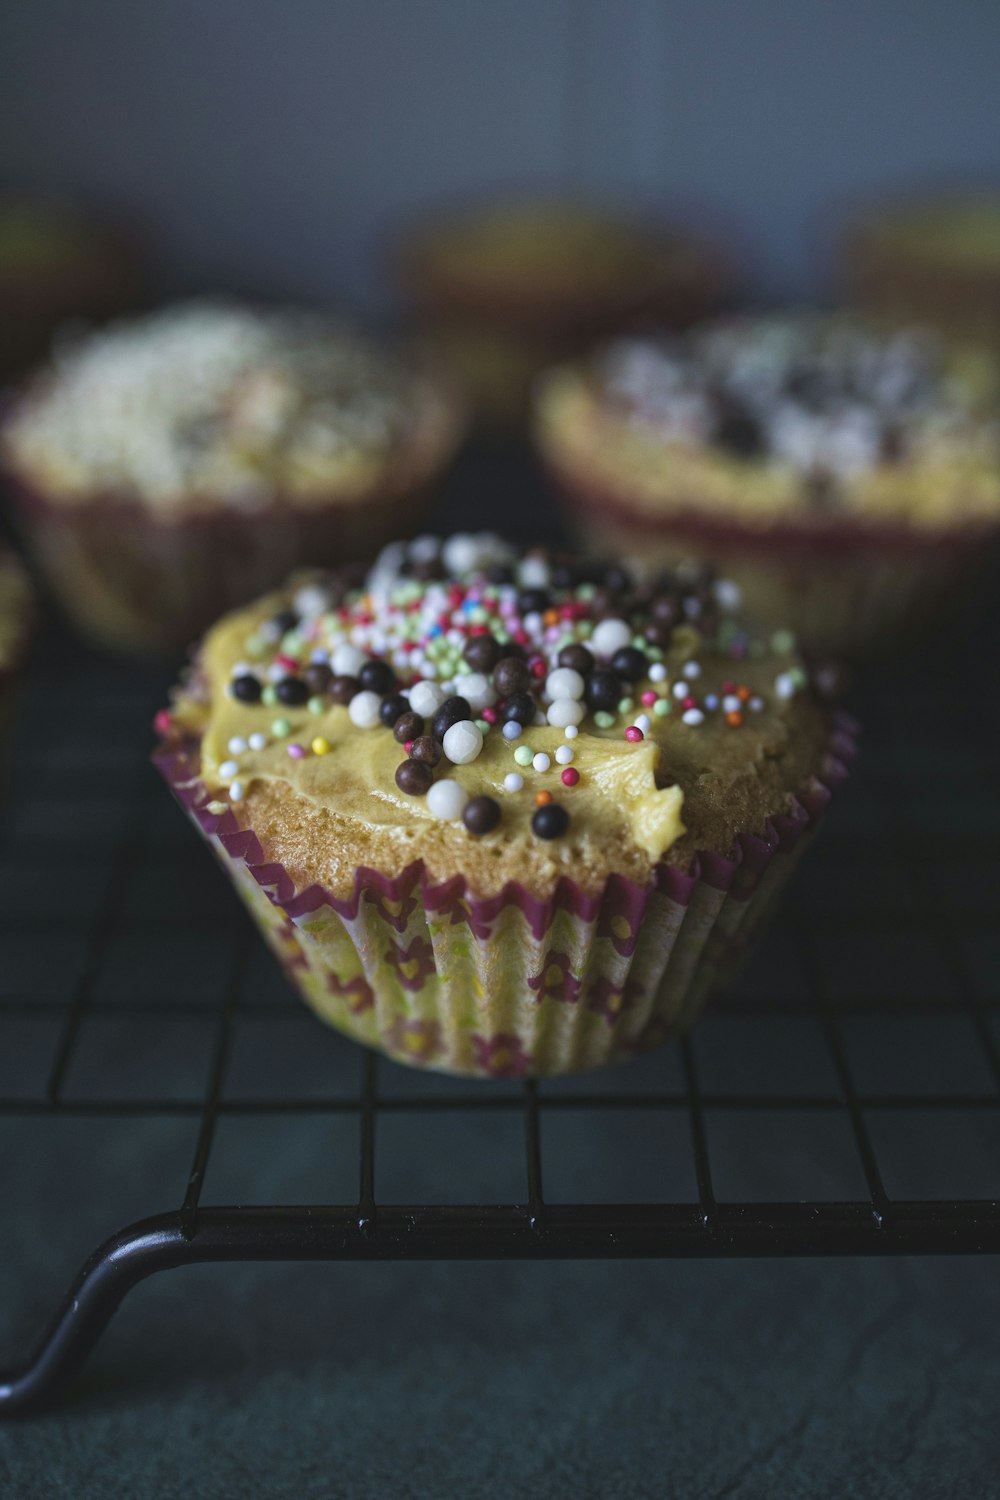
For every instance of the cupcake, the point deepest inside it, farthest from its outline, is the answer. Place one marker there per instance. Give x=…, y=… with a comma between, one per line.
x=843, y=478
x=15, y=624
x=57, y=263
x=174, y=466
x=933, y=261
x=507, y=289
x=496, y=813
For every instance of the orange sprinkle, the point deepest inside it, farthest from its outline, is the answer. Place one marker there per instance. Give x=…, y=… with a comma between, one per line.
x=743, y=694
x=551, y=617
x=542, y=799
x=734, y=720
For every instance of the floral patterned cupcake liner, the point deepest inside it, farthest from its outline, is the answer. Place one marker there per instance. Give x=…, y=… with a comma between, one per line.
x=512, y=985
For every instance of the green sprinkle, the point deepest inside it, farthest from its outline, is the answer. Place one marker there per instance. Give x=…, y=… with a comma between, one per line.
x=654, y=653
x=584, y=629
x=482, y=725
x=662, y=706
x=478, y=616
x=269, y=696
x=316, y=705
x=641, y=644
x=586, y=591
x=281, y=729
x=524, y=755
x=604, y=720
x=253, y=645
x=783, y=640
x=291, y=643
x=798, y=676
x=625, y=705
x=501, y=637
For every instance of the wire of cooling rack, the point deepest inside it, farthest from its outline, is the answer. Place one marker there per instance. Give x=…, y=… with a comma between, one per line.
x=105, y=751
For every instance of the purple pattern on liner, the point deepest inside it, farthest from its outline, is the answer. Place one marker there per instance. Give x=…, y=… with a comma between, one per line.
x=357, y=992
x=556, y=981
x=420, y=1040
x=611, y=1000
x=502, y=1056
x=414, y=965
x=620, y=897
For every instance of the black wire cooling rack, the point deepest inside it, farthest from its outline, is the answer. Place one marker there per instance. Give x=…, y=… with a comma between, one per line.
x=842, y=1100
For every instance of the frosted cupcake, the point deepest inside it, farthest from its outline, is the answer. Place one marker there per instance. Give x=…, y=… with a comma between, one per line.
x=15, y=627
x=935, y=261
x=176, y=465
x=845, y=479
x=500, y=814
x=506, y=289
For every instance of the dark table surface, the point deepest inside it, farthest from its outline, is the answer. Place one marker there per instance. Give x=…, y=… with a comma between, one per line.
x=714, y=1378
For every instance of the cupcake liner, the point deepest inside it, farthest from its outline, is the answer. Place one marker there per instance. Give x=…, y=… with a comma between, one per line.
x=513, y=984
x=845, y=587
x=138, y=582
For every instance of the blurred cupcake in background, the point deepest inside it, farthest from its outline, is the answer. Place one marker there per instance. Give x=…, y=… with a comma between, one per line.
x=505, y=289
x=934, y=261
x=841, y=477
x=174, y=465
x=16, y=617
x=59, y=263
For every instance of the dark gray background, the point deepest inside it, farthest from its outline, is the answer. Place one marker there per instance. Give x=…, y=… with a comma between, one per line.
x=270, y=144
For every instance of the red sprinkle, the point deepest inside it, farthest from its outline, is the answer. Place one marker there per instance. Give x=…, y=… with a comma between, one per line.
x=633, y=734
x=164, y=721
x=570, y=776
x=538, y=667
x=729, y=686
x=288, y=662
x=408, y=746
x=490, y=715
x=649, y=698
x=521, y=637
x=689, y=702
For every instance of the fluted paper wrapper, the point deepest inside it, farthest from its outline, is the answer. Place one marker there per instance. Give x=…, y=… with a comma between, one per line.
x=512, y=985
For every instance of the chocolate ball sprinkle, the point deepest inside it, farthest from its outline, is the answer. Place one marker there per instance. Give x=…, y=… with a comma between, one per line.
x=604, y=690
x=425, y=748
x=482, y=653
x=246, y=689
x=550, y=821
x=511, y=676
x=393, y=707
x=285, y=620
x=520, y=708
x=630, y=663
x=451, y=711
x=408, y=726
x=342, y=689
x=318, y=677
x=578, y=659
x=481, y=814
x=377, y=677
x=533, y=601
x=293, y=691
x=414, y=777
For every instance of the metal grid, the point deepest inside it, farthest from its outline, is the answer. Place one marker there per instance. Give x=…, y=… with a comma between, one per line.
x=854, y=1045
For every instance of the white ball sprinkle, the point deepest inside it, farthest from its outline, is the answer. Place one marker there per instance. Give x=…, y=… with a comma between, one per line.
x=533, y=573
x=426, y=698
x=784, y=685
x=728, y=594
x=610, y=636
x=681, y=689
x=657, y=672
x=463, y=742
x=565, y=754
x=565, y=711
x=347, y=660
x=446, y=800
x=477, y=690
x=756, y=704
x=512, y=782
x=228, y=770
x=691, y=670
x=711, y=701
x=276, y=672
x=533, y=622
x=242, y=669
x=257, y=741
x=541, y=761
x=571, y=731
x=424, y=548
x=643, y=722
x=236, y=745
x=311, y=600
x=731, y=704
x=364, y=710
x=236, y=791
x=512, y=730
x=693, y=716
x=564, y=683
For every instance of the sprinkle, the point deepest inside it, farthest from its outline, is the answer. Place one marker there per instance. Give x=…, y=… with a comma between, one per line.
x=269, y=697
x=512, y=782
x=571, y=731
x=625, y=705
x=316, y=706
x=512, y=730
x=320, y=745
x=163, y=722
x=565, y=711
x=633, y=734
x=281, y=728
x=693, y=716
x=237, y=745
x=564, y=682
x=756, y=704
x=648, y=697
x=523, y=755
x=462, y=742
x=734, y=720
x=446, y=800
x=228, y=770
x=541, y=761
x=731, y=704
x=662, y=707
x=680, y=689
x=257, y=741
x=482, y=725
x=542, y=799
x=364, y=709
x=570, y=776
x=610, y=636
x=604, y=720
x=657, y=672
x=785, y=685
x=564, y=755
x=783, y=641
x=691, y=669
x=236, y=791
x=644, y=723
x=216, y=808
x=296, y=751
x=711, y=701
